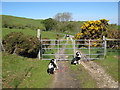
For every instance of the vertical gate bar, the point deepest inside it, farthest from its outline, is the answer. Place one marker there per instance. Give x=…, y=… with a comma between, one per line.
x=58, y=49
x=104, y=46
x=89, y=49
x=41, y=51
x=74, y=48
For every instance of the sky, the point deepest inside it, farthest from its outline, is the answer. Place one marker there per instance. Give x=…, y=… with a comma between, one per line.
x=81, y=11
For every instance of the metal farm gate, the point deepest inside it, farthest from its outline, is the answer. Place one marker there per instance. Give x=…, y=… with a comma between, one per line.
x=90, y=49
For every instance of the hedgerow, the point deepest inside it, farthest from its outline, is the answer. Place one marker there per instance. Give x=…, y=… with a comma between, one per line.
x=17, y=42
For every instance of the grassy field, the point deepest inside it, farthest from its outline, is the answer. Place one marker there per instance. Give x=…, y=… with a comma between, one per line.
x=21, y=72
x=17, y=22
x=48, y=34
x=39, y=78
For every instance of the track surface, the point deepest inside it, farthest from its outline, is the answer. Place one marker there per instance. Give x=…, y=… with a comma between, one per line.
x=64, y=79
x=67, y=79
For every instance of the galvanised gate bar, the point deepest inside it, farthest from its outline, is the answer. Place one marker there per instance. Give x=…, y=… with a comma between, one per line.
x=90, y=49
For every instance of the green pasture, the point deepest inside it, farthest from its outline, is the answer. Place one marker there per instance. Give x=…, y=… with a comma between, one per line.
x=16, y=22
x=47, y=34
x=21, y=72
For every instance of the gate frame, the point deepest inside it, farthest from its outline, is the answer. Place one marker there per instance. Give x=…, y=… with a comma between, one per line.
x=89, y=48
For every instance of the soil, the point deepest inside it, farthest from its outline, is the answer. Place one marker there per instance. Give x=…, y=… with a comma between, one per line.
x=65, y=78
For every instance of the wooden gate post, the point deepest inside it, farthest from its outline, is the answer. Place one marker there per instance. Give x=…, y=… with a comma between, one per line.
x=40, y=49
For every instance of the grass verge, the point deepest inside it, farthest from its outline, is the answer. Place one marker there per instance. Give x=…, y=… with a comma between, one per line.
x=21, y=72
x=110, y=63
x=83, y=76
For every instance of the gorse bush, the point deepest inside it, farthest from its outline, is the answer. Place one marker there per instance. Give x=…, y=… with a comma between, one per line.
x=93, y=30
x=17, y=42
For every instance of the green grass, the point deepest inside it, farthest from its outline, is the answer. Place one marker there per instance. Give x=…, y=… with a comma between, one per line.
x=110, y=63
x=13, y=20
x=39, y=78
x=15, y=69
x=83, y=76
x=48, y=34
x=69, y=51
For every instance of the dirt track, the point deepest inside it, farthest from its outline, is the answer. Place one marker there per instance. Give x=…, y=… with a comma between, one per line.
x=64, y=79
x=67, y=79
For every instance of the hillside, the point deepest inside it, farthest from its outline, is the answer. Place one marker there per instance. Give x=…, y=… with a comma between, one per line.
x=71, y=27
x=20, y=22
x=13, y=22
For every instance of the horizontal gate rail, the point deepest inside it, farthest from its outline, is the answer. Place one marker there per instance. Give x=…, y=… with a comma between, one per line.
x=94, y=58
x=75, y=40
x=90, y=44
x=88, y=40
x=75, y=48
x=71, y=59
x=90, y=48
x=73, y=54
x=57, y=59
x=72, y=44
x=58, y=54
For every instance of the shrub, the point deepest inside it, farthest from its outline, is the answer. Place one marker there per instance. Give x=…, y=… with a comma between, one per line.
x=93, y=30
x=17, y=42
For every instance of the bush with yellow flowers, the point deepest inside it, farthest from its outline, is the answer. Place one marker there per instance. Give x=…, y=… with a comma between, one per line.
x=93, y=30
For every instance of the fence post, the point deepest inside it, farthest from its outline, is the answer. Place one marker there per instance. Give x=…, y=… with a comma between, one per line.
x=39, y=38
x=74, y=48
x=104, y=45
x=89, y=48
x=58, y=50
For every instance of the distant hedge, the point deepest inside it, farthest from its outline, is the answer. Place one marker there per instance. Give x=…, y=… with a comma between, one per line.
x=17, y=42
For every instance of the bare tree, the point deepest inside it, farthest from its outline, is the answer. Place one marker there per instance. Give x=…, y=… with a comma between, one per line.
x=58, y=16
x=66, y=16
